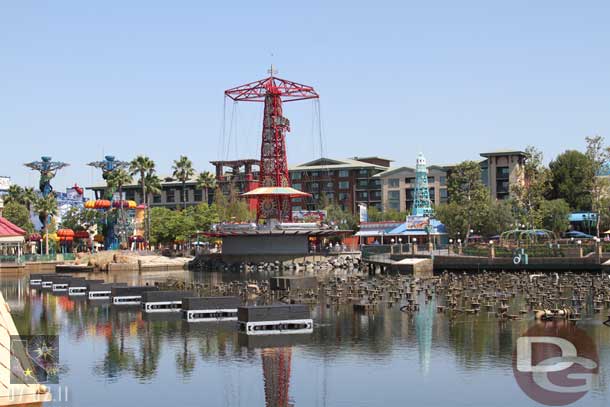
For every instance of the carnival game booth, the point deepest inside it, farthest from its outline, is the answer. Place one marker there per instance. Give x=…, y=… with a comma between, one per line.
x=12, y=240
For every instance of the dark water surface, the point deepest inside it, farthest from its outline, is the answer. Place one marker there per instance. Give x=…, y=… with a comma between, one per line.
x=114, y=357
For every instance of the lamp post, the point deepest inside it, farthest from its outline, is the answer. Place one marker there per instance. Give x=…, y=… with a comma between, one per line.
x=392, y=245
x=400, y=244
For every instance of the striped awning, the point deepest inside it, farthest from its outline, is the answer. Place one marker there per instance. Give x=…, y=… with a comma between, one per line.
x=275, y=191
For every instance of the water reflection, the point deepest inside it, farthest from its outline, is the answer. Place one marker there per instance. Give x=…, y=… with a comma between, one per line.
x=116, y=343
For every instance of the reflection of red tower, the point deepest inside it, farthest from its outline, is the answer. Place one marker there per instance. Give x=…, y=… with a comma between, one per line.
x=272, y=92
x=276, y=371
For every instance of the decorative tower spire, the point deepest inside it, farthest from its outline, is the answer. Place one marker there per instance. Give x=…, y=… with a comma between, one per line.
x=422, y=205
x=273, y=92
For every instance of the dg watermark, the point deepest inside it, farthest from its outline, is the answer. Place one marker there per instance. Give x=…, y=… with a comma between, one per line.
x=556, y=363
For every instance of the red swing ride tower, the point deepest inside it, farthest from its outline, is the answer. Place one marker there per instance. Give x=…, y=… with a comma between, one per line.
x=274, y=192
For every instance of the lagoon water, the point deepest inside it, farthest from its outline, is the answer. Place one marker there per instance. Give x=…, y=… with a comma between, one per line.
x=114, y=357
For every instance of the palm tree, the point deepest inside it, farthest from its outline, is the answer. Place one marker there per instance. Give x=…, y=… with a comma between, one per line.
x=152, y=184
x=206, y=181
x=118, y=179
x=29, y=197
x=142, y=165
x=183, y=171
x=15, y=194
x=46, y=206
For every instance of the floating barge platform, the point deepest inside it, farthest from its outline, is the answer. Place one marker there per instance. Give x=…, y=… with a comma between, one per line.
x=275, y=319
x=202, y=309
x=163, y=301
x=129, y=295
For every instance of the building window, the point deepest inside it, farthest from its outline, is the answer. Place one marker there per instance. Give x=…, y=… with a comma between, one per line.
x=198, y=195
x=376, y=183
x=443, y=180
x=296, y=208
x=295, y=175
x=170, y=195
x=330, y=185
x=410, y=181
x=342, y=196
x=330, y=196
x=430, y=180
x=362, y=196
x=314, y=186
x=363, y=183
x=343, y=185
x=376, y=195
x=130, y=194
x=502, y=187
x=343, y=173
x=395, y=205
x=363, y=172
x=297, y=186
x=393, y=195
x=443, y=192
x=157, y=198
x=393, y=182
x=314, y=173
x=502, y=173
x=297, y=200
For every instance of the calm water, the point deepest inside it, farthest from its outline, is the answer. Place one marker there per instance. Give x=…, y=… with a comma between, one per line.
x=389, y=358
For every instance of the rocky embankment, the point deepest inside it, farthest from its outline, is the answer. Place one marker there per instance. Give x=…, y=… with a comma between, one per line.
x=329, y=263
x=130, y=261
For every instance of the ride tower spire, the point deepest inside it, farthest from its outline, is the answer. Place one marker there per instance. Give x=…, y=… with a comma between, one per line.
x=274, y=195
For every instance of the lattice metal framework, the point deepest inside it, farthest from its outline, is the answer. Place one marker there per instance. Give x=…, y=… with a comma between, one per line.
x=422, y=205
x=272, y=92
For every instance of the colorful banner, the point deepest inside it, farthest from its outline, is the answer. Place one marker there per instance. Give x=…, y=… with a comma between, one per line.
x=364, y=214
x=417, y=222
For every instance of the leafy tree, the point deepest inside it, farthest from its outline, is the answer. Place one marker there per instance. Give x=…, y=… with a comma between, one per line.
x=46, y=206
x=343, y=219
x=168, y=226
x=375, y=215
x=19, y=215
x=571, y=177
x=533, y=185
x=600, y=159
x=468, y=199
x=203, y=215
x=119, y=178
x=14, y=194
x=143, y=166
x=152, y=183
x=497, y=218
x=80, y=218
x=183, y=171
x=29, y=197
x=206, y=181
x=555, y=215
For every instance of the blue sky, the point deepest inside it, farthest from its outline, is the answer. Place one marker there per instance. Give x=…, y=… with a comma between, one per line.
x=451, y=79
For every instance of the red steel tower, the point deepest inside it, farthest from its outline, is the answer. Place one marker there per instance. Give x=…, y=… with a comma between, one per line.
x=274, y=192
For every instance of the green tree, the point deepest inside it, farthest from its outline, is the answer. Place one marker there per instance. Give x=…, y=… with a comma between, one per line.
x=29, y=197
x=143, y=166
x=375, y=215
x=498, y=217
x=153, y=187
x=183, y=171
x=532, y=186
x=203, y=215
x=206, y=181
x=571, y=176
x=600, y=159
x=14, y=194
x=468, y=199
x=343, y=219
x=19, y=215
x=46, y=207
x=555, y=215
x=168, y=226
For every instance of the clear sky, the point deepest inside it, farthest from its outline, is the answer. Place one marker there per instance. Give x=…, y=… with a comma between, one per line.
x=80, y=79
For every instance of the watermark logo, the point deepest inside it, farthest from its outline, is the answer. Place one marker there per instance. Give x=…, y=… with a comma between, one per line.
x=35, y=359
x=555, y=363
